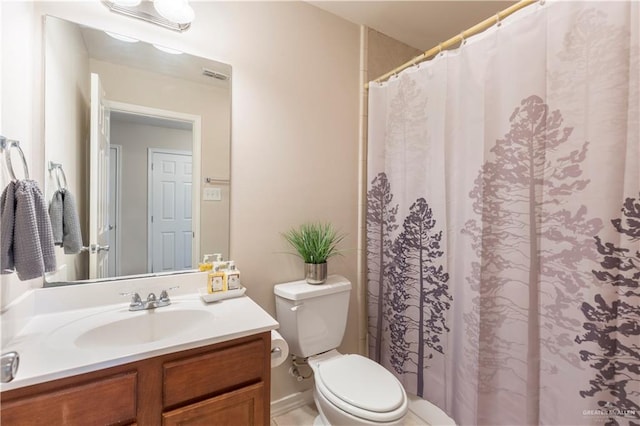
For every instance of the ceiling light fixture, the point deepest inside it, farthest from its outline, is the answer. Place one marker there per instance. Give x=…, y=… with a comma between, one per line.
x=175, y=15
x=175, y=10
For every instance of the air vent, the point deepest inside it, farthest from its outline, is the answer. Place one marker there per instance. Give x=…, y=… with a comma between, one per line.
x=210, y=73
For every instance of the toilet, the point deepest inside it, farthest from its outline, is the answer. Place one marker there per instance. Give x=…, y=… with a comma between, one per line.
x=349, y=389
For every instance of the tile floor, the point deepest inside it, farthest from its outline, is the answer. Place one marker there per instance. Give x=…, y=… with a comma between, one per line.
x=304, y=416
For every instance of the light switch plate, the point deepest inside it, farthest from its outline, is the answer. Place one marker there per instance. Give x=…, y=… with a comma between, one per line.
x=212, y=194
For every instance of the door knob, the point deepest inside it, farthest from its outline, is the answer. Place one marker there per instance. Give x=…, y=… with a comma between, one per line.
x=95, y=248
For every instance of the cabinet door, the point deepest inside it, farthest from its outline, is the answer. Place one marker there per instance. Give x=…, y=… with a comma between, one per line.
x=243, y=407
x=107, y=401
x=192, y=378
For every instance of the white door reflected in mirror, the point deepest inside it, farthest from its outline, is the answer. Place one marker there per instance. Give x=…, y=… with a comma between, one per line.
x=170, y=229
x=99, y=182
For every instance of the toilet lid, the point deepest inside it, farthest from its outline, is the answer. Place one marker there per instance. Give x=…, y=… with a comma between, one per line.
x=362, y=383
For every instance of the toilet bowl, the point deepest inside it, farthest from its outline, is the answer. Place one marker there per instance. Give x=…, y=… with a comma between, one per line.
x=353, y=390
x=349, y=389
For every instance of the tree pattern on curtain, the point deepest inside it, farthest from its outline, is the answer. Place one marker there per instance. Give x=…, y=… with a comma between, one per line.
x=588, y=55
x=407, y=132
x=381, y=223
x=613, y=321
x=408, y=122
x=518, y=197
x=419, y=285
x=416, y=297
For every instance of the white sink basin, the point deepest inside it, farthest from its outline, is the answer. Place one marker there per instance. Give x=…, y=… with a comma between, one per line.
x=120, y=328
x=147, y=326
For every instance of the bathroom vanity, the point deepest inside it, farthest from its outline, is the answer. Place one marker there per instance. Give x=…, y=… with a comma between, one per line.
x=83, y=362
x=225, y=383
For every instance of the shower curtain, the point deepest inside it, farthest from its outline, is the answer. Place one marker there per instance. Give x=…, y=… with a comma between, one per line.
x=503, y=220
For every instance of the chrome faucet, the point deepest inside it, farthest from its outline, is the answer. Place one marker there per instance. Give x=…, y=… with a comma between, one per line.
x=152, y=302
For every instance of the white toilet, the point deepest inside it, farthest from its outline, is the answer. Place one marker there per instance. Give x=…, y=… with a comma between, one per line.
x=349, y=389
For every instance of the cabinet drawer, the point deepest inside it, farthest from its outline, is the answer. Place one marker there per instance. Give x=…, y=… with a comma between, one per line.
x=221, y=370
x=107, y=401
x=243, y=407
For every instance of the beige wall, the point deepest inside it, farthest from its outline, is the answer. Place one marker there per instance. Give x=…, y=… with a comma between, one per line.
x=66, y=100
x=20, y=106
x=295, y=144
x=385, y=53
x=294, y=126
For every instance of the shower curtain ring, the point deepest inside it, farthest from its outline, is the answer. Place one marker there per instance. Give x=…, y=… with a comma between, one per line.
x=463, y=40
x=498, y=20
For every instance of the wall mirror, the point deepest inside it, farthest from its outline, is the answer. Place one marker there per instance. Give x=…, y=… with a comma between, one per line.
x=137, y=139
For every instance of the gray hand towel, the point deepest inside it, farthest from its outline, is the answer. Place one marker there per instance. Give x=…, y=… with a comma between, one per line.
x=56, y=207
x=7, y=220
x=72, y=237
x=31, y=244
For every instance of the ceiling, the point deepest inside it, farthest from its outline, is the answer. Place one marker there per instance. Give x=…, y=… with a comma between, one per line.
x=419, y=23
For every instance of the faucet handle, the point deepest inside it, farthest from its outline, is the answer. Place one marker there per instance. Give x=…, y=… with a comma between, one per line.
x=151, y=297
x=164, y=296
x=135, y=299
x=9, y=366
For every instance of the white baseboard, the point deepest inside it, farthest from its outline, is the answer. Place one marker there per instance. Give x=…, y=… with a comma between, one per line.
x=291, y=402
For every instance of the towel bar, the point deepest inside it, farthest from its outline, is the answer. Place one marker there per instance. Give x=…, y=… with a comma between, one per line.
x=59, y=171
x=6, y=145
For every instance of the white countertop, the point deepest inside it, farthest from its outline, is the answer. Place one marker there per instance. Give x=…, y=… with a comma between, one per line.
x=48, y=352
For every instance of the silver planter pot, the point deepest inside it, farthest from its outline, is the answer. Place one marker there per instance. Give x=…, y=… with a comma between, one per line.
x=315, y=273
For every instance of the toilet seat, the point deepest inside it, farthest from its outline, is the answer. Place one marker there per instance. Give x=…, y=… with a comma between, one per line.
x=362, y=388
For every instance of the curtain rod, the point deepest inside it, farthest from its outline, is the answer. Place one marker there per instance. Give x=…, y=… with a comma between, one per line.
x=478, y=28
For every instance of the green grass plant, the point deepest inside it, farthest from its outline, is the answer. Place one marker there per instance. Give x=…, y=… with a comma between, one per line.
x=314, y=242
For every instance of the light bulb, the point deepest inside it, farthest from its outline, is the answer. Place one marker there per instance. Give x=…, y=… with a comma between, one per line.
x=167, y=49
x=177, y=11
x=122, y=37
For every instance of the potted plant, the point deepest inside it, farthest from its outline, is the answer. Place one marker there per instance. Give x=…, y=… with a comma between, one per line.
x=315, y=243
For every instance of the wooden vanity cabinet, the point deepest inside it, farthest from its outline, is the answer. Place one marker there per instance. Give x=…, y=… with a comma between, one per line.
x=223, y=384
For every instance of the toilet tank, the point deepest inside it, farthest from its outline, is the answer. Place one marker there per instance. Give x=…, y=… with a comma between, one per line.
x=313, y=317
